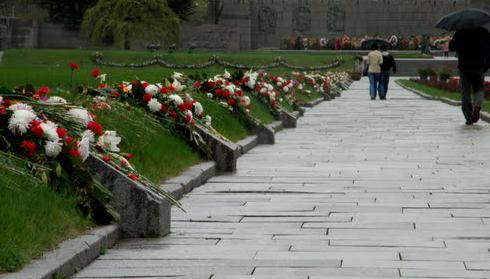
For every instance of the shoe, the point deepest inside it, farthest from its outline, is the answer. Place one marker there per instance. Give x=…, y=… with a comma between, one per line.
x=469, y=123
x=382, y=98
x=373, y=98
x=476, y=114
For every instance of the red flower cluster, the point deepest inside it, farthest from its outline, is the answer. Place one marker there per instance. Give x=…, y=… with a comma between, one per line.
x=73, y=66
x=29, y=147
x=95, y=127
x=95, y=73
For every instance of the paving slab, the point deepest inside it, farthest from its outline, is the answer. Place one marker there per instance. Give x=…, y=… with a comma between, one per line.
x=360, y=189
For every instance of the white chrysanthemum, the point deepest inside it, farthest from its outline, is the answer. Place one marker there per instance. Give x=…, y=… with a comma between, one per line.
x=198, y=109
x=49, y=129
x=80, y=115
x=84, y=148
x=285, y=89
x=209, y=95
x=208, y=120
x=88, y=134
x=20, y=106
x=154, y=105
x=21, y=121
x=109, y=141
x=178, y=86
x=152, y=89
x=263, y=90
x=226, y=75
x=178, y=76
x=54, y=100
x=189, y=115
x=176, y=99
x=102, y=78
x=53, y=148
x=270, y=87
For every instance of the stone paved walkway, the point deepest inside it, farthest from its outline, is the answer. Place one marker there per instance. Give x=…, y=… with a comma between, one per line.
x=361, y=189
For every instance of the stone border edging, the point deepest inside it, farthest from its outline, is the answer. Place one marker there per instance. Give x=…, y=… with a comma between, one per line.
x=485, y=116
x=71, y=256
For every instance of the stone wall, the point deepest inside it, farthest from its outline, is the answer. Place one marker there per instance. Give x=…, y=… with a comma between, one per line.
x=267, y=23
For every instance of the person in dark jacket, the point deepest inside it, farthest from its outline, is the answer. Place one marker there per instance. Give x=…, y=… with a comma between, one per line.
x=388, y=65
x=473, y=48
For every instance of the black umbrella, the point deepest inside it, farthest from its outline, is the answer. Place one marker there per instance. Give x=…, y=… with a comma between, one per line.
x=464, y=19
x=369, y=42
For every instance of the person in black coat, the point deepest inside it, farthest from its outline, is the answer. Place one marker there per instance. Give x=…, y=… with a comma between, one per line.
x=473, y=48
x=388, y=65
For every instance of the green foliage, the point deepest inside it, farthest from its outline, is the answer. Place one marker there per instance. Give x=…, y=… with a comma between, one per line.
x=445, y=74
x=67, y=12
x=127, y=23
x=425, y=73
x=182, y=8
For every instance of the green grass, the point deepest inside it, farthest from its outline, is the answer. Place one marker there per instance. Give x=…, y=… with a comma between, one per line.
x=410, y=55
x=50, y=67
x=260, y=111
x=33, y=219
x=438, y=93
x=223, y=121
x=158, y=154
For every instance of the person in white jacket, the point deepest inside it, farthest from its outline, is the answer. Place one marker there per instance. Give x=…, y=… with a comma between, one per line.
x=374, y=61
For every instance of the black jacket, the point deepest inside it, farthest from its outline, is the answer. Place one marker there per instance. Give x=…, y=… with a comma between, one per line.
x=473, y=48
x=388, y=63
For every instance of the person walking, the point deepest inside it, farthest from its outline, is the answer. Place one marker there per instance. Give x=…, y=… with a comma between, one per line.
x=473, y=49
x=374, y=61
x=445, y=49
x=388, y=65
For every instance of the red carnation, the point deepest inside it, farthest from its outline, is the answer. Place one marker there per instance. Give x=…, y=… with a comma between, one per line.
x=43, y=90
x=36, y=129
x=210, y=84
x=29, y=147
x=172, y=114
x=133, y=176
x=61, y=132
x=95, y=73
x=197, y=84
x=73, y=66
x=95, y=127
x=239, y=93
x=106, y=158
x=129, y=156
x=218, y=92
x=182, y=107
x=170, y=88
x=147, y=98
x=188, y=118
x=231, y=102
x=74, y=153
x=164, y=108
x=69, y=140
x=226, y=93
x=164, y=90
x=144, y=85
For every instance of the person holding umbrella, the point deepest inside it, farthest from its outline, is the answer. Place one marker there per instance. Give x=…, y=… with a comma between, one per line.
x=472, y=44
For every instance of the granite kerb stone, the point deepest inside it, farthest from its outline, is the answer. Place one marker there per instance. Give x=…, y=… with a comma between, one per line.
x=190, y=179
x=71, y=255
x=248, y=143
x=224, y=153
x=314, y=102
x=143, y=212
x=289, y=120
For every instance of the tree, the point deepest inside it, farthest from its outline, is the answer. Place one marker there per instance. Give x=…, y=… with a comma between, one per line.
x=67, y=12
x=126, y=23
x=182, y=8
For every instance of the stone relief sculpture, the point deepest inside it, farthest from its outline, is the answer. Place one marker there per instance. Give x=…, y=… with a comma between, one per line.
x=267, y=20
x=335, y=17
x=302, y=20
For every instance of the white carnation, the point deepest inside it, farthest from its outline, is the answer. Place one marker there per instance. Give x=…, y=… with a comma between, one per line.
x=53, y=148
x=178, y=86
x=109, y=141
x=84, y=148
x=285, y=89
x=80, y=115
x=246, y=100
x=21, y=121
x=152, y=89
x=226, y=75
x=198, y=109
x=208, y=120
x=176, y=99
x=54, y=100
x=49, y=129
x=154, y=105
x=89, y=134
x=178, y=76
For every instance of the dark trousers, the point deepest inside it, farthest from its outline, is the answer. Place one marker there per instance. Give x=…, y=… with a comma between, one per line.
x=385, y=82
x=471, y=83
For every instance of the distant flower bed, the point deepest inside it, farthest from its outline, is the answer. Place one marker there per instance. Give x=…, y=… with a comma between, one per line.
x=356, y=43
x=451, y=85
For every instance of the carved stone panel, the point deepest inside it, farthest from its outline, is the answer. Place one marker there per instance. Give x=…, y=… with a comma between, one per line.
x=302, y=20
x=335, y=17
x=267, y=20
